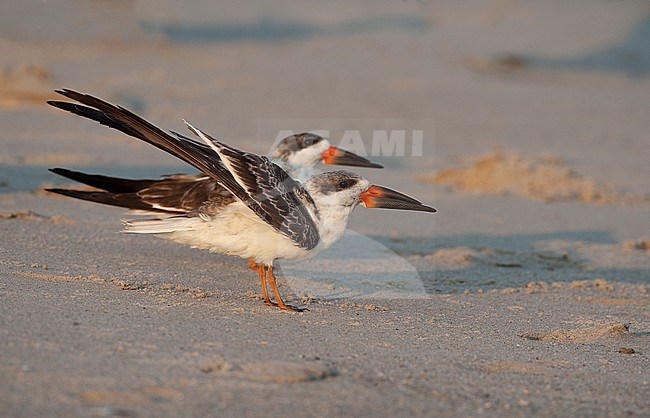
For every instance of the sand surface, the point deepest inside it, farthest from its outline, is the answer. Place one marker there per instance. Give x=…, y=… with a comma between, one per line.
x=525, y=295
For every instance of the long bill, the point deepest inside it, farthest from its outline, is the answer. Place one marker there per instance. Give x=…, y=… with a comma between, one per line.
x=337, y=156
x=385, y=198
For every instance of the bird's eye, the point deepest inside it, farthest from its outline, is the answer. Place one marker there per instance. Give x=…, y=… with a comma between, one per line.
x=306, y=140
x=345, y=184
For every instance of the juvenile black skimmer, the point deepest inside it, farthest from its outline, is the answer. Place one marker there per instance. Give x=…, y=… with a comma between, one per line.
x=267, y=215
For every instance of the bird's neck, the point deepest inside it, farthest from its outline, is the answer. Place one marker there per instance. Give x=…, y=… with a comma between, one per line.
x=333, y=220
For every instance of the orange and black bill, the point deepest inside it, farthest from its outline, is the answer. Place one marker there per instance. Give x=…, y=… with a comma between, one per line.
x=383, y=197
x=338, y=156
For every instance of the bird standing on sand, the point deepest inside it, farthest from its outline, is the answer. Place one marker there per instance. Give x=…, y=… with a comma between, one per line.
x=267, y=215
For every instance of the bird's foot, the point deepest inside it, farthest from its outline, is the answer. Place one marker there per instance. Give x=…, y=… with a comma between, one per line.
x=291, y=308
x=285, y=307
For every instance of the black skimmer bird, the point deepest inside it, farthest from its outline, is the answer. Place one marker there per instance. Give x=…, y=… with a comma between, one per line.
x=264, y=214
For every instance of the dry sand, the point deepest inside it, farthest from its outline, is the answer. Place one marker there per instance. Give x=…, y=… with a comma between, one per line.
x=545, y=178
x=525, y=295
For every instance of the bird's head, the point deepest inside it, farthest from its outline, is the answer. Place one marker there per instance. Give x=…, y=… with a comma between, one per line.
x=346, y=189
x=306, y=150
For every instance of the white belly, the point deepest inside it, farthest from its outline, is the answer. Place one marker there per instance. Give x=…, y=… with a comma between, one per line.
x=236, y=230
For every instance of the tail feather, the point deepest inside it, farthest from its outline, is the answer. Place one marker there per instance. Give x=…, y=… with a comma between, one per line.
x=159, y=226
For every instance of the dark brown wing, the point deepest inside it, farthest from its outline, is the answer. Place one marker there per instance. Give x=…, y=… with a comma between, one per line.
x=183, y=193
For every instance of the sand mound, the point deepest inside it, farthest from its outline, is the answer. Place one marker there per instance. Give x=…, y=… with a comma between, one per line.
x=26, y=85
x=578, y=336
x=544, y=178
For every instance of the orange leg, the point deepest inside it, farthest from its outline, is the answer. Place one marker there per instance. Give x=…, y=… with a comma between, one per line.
x=274, y=286
x=265, y=293
x=254, y=265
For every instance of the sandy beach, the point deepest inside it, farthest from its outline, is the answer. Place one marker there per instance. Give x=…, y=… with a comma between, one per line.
x=527, y=294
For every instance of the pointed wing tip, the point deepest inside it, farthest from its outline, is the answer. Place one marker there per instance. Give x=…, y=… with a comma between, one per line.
x=69, y=93
x=64, y=192
x=67, y=106
x=61, y=171
x=64, y=91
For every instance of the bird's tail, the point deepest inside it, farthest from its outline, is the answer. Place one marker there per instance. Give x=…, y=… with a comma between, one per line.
x=161, y=225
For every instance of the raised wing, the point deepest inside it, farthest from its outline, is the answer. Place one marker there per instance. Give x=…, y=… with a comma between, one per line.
x=269, y=191
x=197, y=154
